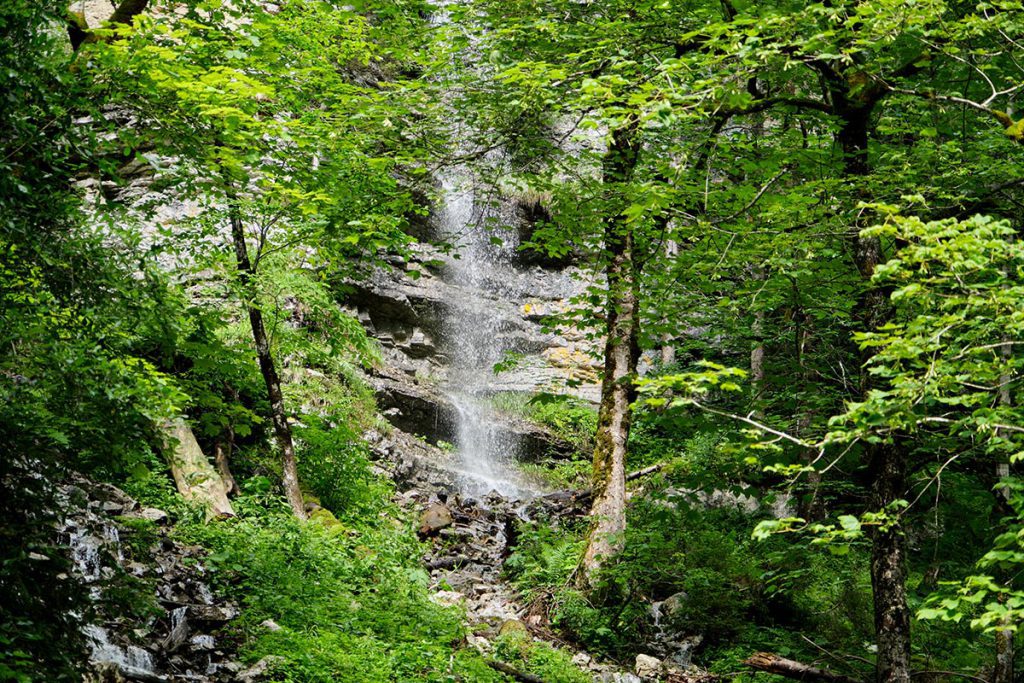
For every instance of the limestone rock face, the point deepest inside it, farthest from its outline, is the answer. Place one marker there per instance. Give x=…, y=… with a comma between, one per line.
x=407, y=315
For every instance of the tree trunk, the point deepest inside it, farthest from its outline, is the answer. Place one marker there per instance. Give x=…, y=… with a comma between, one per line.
x=811, y=506
x=889, y=568
x=608, y=512
x=1002, y=672
x=886, y=462
x=195, y=478
x=757, y=349
x=282, y=430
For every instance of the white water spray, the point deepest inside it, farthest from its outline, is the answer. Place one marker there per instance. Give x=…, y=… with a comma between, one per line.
x=473, y=339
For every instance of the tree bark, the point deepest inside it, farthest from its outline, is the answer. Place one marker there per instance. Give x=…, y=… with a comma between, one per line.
x=1002, y=672
x=515, y=673
x=811, y=505
x=886, y=461
x=282, y=430
x=608, y=511
x=194, y=477
x=889, y=568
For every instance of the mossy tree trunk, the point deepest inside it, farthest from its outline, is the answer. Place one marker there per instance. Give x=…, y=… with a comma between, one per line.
x=608, y=510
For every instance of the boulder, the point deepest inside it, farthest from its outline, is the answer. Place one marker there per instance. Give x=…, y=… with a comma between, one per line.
x=260, y=669
x=513, y=627
x=674, y=604
x=435, y=518
x=648, y=668
x=154, y=515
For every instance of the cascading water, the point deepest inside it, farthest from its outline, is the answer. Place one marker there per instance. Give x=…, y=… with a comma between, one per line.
x=473, y=338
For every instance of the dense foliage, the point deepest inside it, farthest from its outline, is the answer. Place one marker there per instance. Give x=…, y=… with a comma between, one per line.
x=800, y=223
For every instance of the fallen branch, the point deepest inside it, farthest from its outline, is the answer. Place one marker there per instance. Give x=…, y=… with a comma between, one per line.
x=780, y=666
x=585, y=494
x=515, y=673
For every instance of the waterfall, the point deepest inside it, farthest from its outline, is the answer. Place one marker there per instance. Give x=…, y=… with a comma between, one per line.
x=473, y=337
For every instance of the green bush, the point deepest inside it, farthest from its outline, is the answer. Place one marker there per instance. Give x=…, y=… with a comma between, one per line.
x=334, y=465
x=351, y=600
x=540, y=659
x=570, y=418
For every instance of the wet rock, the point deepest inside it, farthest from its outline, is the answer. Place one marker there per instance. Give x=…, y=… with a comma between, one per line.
x=179, y=630
x=177, y=645
x=202, y=642
x=648, y=667
x=434, y=519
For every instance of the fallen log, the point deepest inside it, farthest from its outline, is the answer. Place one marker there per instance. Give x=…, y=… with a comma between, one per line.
x=780, y=666
x=515, y=673
x=195, y=477
x=585, y=494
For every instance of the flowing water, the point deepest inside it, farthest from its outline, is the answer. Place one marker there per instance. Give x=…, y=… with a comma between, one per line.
x=473, y=332
x=89, y=539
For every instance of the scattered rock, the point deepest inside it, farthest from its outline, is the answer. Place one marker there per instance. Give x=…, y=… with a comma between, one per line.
x=435, y=518
x=202, y=642
x=448, y=598
x=154, y=515
x=260, y=669
x=217, y=614
x=479, y=642
x=648, y=667
x=581, y=659
x=270, y=625
x=113, y=508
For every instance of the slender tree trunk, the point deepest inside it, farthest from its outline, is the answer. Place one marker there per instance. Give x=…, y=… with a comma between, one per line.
x=889, y=569
x=608, y=512
x=668, y=348
x=757, y=350
x=1002, y=672
x=811, y=506
x=886, y=462
x=282, y=430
